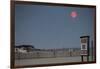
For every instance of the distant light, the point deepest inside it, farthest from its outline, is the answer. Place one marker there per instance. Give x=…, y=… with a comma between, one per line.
x=73, y=14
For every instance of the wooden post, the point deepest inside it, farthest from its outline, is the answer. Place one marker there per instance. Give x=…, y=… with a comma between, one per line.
x=92, y=50
x=82, y=58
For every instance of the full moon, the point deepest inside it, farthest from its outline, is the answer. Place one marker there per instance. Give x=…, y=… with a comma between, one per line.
x=73, y=14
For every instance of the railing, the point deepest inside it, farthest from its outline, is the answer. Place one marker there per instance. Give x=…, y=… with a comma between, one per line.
x=48, y=53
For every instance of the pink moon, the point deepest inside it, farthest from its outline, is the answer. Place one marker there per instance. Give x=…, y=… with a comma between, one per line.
x=73, y=14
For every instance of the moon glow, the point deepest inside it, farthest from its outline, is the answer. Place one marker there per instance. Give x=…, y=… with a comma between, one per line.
x=73, y=14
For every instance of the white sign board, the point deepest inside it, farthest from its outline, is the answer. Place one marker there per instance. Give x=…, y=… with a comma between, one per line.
x=84, y=46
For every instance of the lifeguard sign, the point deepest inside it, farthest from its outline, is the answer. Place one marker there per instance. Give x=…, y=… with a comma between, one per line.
x=84, y=45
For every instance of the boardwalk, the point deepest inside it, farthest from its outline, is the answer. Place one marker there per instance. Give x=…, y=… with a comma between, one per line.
x=47, y=60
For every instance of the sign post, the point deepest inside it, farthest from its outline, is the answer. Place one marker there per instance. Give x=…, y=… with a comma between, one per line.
x=84, y=47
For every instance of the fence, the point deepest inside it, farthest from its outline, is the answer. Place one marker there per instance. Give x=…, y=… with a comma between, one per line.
x=48, y=53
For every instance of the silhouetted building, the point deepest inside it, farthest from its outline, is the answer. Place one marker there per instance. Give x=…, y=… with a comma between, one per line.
x=24, y=48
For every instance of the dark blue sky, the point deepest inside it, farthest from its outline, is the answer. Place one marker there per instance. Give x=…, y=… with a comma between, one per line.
x=52, y=26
